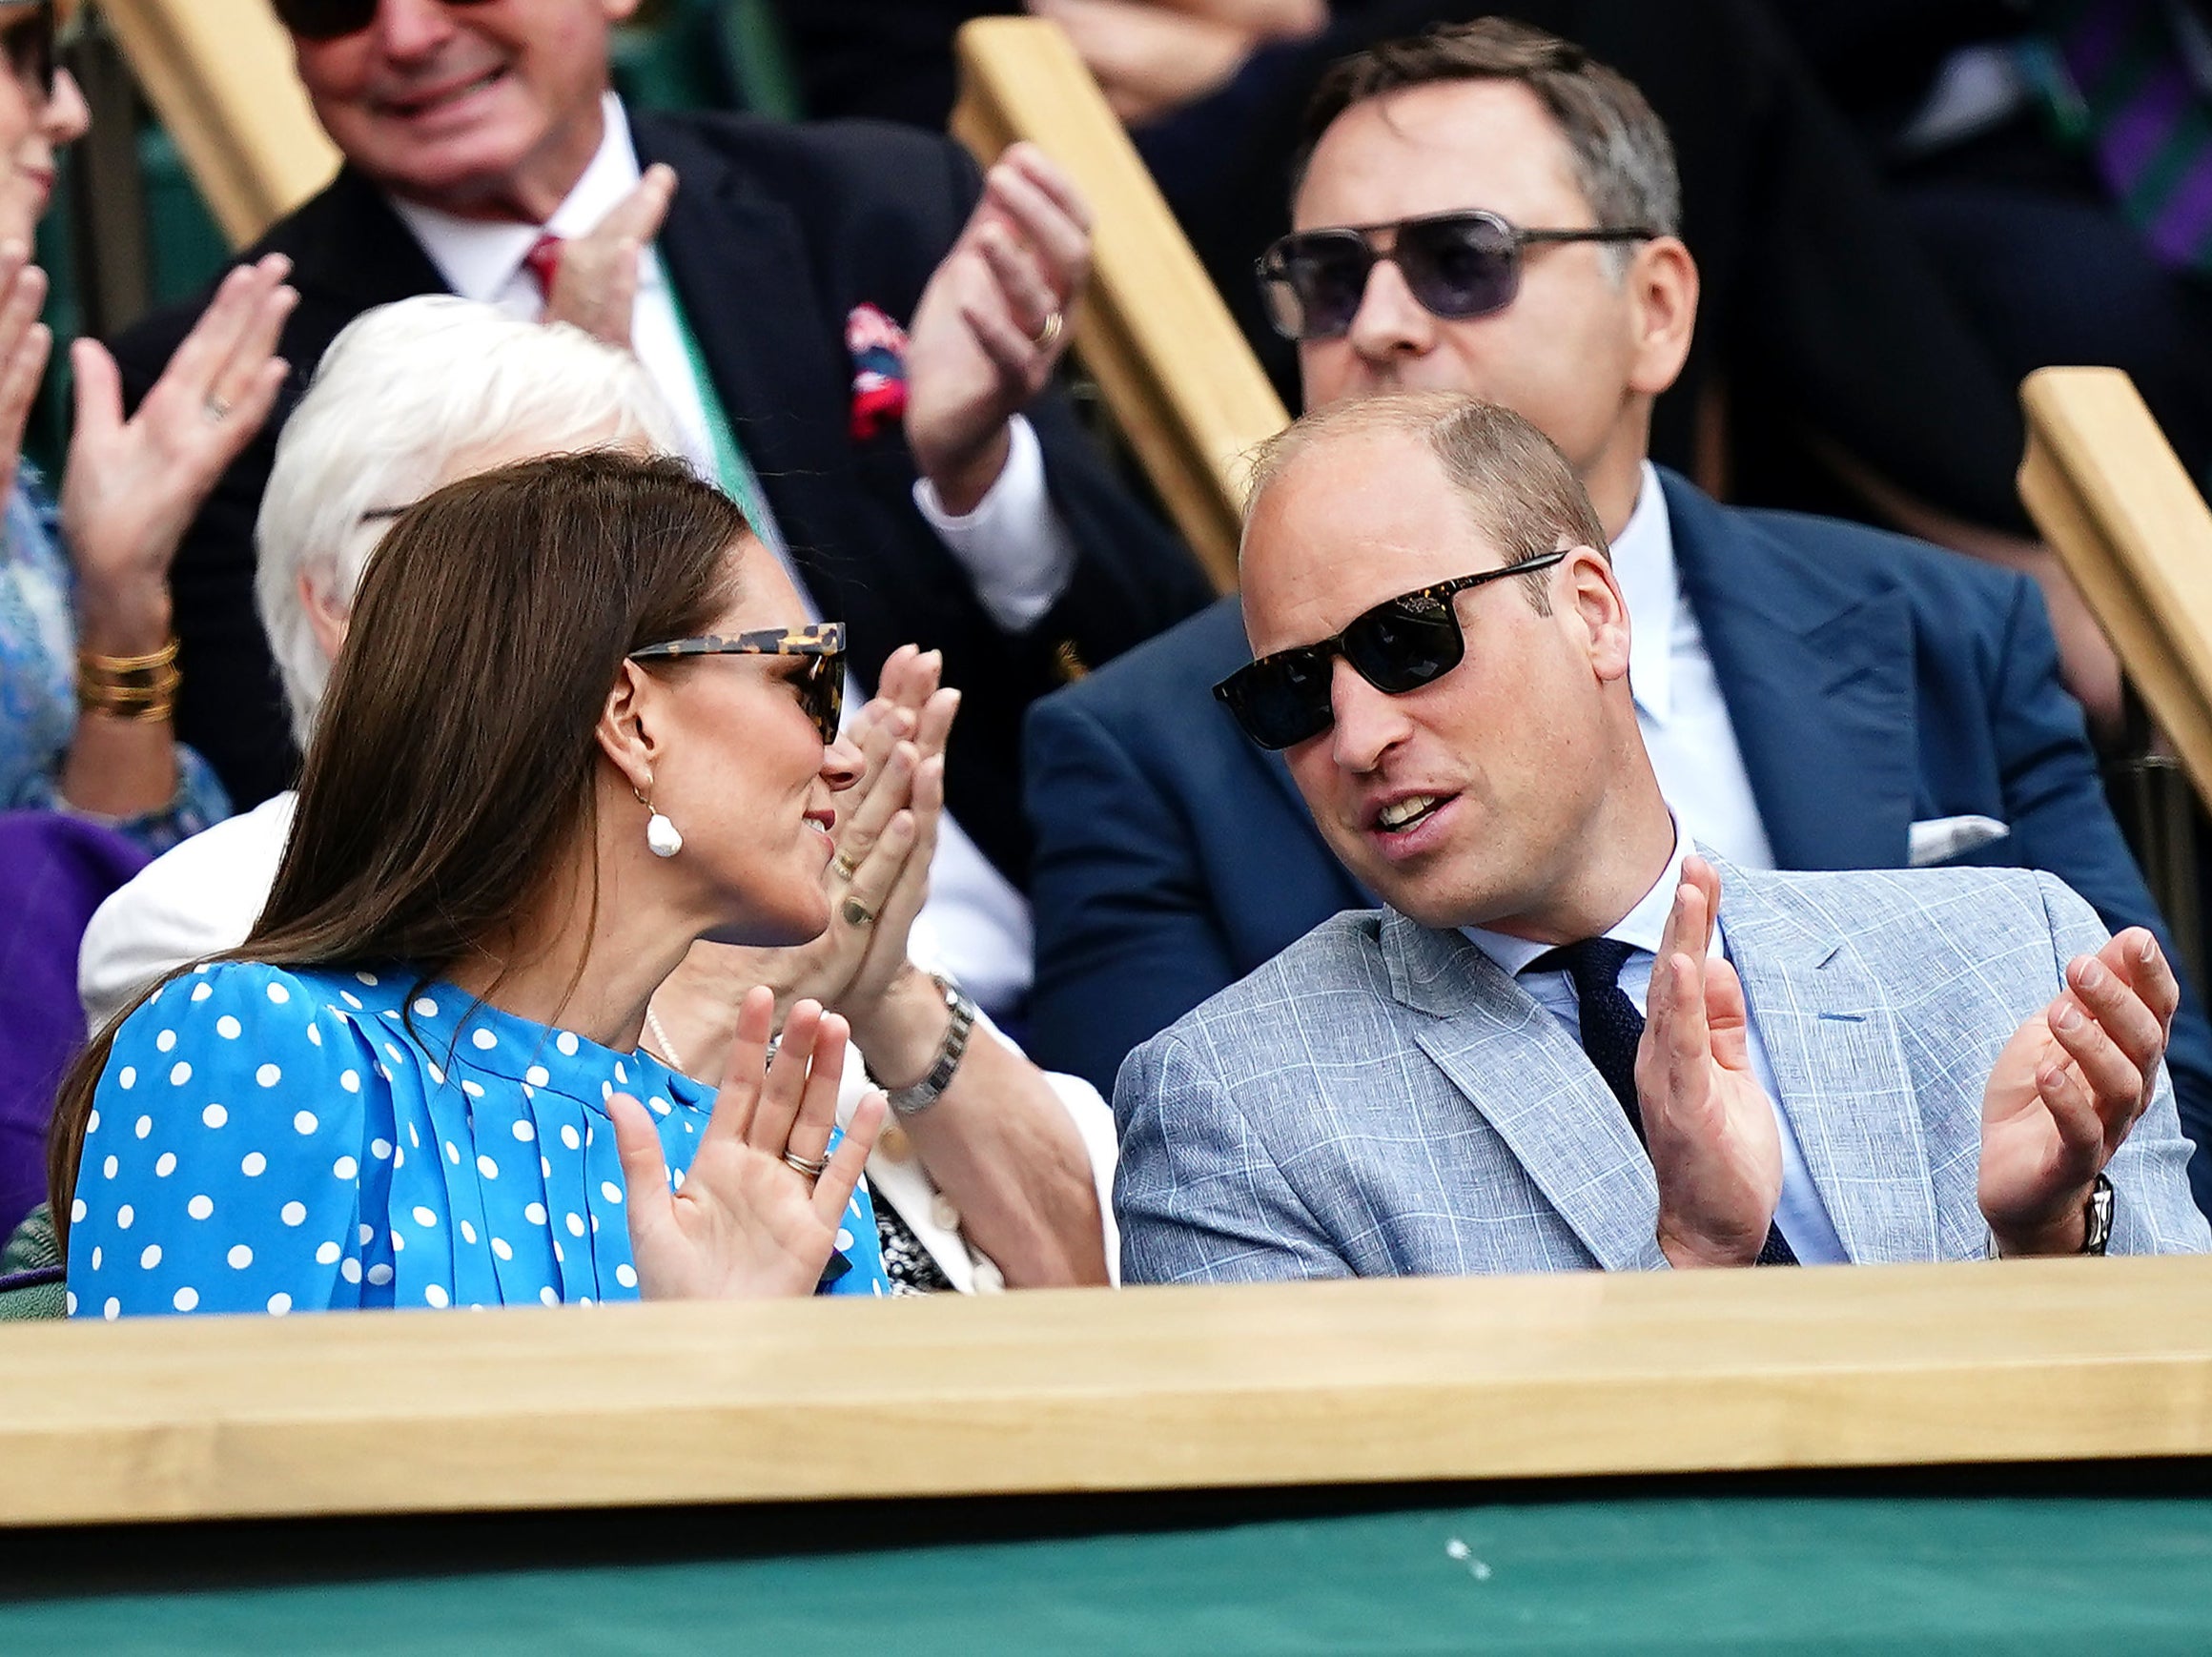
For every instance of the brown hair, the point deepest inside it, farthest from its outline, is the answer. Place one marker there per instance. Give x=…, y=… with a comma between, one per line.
x=454, y=760
x=1524, y=498
x=1623, y=159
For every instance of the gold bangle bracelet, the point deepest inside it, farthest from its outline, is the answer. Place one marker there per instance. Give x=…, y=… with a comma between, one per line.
x=139, y=688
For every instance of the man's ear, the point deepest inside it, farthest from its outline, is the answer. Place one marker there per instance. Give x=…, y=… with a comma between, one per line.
x=1663, y=299
x=627, y=728
x=1602, y=611
x=326, y=617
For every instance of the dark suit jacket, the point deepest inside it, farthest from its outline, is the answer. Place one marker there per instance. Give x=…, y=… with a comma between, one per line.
x=1873, y=682
x=776, y=233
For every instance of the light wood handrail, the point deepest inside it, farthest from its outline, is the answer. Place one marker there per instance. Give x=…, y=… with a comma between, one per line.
x=2107, y=491
x=220, y=74
x=1148, y=1389
x=1183, y=386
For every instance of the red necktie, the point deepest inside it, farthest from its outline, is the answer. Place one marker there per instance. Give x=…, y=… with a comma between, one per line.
x=543, y=263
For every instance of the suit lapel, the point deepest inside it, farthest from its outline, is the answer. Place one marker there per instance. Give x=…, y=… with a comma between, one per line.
x=1831, y=1035
x=360, y=254
x=1819, y=682
x=739, y=267
x=1535, y=1086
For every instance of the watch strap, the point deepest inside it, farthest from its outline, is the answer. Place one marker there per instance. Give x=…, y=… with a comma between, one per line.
x=911, y=1101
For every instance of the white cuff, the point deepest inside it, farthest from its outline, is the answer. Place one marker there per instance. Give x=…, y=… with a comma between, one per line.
x=1014, y=545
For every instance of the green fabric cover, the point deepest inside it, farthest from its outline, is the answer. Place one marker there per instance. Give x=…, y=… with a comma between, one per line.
x=1685, y=1576
x=32, y=1247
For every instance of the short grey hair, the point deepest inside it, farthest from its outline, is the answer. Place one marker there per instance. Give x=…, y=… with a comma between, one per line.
x=402, y=392
x=1521, y=496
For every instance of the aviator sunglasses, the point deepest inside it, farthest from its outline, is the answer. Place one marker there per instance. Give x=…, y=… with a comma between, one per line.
x=334, y=19
x=1456, y=264
x=820, y=682
x=1399, y=645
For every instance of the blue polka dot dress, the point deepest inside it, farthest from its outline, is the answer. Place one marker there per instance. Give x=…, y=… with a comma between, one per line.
x=274, y=1140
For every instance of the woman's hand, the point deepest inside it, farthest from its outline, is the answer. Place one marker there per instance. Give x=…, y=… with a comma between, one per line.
x=886, y=840
x=25, y=344
x=747, y=1223
x=132, y=487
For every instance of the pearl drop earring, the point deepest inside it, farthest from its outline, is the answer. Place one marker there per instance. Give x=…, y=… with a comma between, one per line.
x=663, y=838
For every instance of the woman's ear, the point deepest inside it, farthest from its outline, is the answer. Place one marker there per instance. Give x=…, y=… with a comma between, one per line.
x=628, y=726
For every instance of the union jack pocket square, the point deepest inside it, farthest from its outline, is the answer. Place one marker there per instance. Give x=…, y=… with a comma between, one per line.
x=878, y=348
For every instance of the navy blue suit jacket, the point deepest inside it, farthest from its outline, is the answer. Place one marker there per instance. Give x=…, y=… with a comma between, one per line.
x=1873, y=682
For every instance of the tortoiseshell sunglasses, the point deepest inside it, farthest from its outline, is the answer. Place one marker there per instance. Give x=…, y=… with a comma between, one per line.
x=820, y=683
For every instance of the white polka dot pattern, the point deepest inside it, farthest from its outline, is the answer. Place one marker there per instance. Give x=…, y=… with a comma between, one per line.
x=269, y=1177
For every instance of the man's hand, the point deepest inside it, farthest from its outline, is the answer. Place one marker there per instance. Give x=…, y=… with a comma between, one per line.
x=1707, y=1123
x=595, y=287
x=993, y=322
x=2067, y=1088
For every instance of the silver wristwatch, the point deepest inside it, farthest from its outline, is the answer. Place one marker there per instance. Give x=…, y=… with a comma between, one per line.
x=912, y=1101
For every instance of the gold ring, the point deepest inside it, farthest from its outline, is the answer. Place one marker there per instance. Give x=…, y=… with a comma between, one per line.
x=811, y=1170
x=1044, y=337
x=858, y=915
x=845, y=864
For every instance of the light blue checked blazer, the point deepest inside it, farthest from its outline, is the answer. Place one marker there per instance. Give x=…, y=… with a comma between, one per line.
x=1381, y=1099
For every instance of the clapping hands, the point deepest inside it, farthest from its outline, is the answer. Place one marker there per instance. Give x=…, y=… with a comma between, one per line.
x=750, y=1220
x=992, y=323
x=2066, y=1091
x=133, y=486
x=1709, y=1124
x=886, y=838
x=595, y=287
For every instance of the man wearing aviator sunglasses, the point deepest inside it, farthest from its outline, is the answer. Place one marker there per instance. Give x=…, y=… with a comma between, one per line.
x=1812, y=694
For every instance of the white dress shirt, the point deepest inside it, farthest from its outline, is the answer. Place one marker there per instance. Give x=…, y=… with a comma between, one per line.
x=1015, y=548
x=1678, y=701
x=1800, y=1214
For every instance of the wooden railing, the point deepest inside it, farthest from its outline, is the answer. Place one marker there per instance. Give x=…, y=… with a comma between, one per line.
x=220, y=74
x=1148, y=1389
x=1182, y=384
x=2107, y=491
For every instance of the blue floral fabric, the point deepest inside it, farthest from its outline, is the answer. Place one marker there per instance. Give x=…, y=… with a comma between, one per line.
x=272, y=1141
x=38, y=708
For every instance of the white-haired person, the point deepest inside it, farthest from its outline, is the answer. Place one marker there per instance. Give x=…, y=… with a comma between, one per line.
x=1005, y=1178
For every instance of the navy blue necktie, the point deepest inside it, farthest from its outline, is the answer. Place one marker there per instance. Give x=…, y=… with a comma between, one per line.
x=1611, y=1027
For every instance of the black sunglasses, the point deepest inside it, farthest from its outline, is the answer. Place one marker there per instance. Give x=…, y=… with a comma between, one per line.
x=334, y=19
x=29, y=45
x=1399, y=645
x=820, y=683
x=1457, y=265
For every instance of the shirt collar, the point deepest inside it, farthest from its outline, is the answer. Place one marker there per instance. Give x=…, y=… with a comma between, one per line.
x=479, y=258
x=1643, y=927
x=1644, y=564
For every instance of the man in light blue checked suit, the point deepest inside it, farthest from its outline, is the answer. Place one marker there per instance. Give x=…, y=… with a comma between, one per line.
x=1544, y=1054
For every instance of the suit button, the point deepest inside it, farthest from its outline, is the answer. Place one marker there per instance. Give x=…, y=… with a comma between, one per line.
x=989, y=1279
x=942, y=1212
x=892, y=1144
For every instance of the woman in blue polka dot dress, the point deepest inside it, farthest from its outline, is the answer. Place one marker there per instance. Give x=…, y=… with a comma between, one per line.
x=419, y=1084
